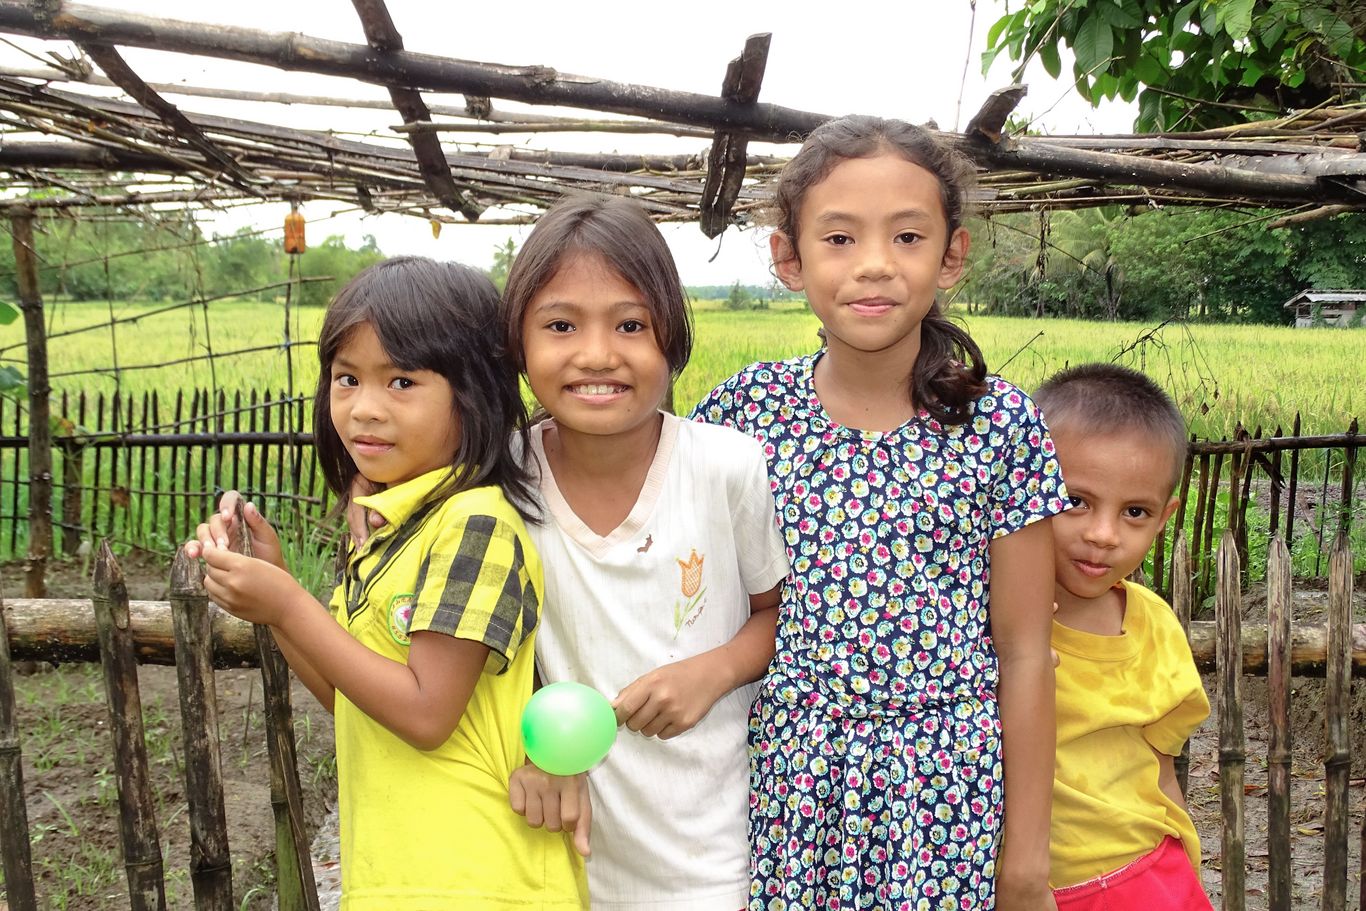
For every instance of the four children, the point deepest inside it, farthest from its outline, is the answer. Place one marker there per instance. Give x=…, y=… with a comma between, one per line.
x=903, y=487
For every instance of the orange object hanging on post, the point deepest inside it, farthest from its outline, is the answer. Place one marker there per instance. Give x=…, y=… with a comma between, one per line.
x=294, y=231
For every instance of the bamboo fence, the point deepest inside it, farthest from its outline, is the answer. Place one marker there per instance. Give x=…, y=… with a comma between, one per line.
x=110, y=629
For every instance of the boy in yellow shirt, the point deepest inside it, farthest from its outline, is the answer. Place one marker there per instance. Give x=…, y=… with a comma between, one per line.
x=1128, y=693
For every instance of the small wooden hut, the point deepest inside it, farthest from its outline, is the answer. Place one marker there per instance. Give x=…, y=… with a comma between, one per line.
x=1328, y=308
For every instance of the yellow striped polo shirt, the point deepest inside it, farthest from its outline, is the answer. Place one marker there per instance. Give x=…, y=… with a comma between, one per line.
x=433, y=829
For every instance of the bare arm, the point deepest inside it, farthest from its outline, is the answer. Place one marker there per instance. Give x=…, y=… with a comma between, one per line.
x=674, y=698
x=420, y=702
x=1021, y=620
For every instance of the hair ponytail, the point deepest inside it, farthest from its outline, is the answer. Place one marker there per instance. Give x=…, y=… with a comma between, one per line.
x=950, y=371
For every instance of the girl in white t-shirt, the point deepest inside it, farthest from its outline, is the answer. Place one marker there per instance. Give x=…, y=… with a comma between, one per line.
x=662, y=562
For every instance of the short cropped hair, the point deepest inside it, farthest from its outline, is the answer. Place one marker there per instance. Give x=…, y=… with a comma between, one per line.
x=1100, y=399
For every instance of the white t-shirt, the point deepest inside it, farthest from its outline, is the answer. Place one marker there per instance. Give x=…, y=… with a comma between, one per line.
x=670, y=817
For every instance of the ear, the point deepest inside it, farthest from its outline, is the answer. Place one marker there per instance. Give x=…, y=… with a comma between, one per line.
x=1169, y=509
x=785, y=262
x=955, y=258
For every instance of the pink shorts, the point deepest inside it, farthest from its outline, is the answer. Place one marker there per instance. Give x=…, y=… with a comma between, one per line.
x=1161, y=880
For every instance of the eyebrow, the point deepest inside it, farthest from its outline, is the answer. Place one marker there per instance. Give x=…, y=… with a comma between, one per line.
x=555, y=306
x=340, y=361
x=903, y=215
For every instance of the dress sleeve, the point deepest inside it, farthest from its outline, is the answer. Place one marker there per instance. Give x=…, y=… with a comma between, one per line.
x=1186, y=704
x=1028, y=483
x=724, y=405
x=474, y=584
x=759, y=545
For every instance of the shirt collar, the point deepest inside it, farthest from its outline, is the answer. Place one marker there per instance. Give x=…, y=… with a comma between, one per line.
x=398, y=503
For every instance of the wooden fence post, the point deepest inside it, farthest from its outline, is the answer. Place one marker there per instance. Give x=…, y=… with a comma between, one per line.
x=1278, y=757
x=210, y=862
x=1228, y=614
x=1181, y=604
x=14, y=843
x=39, y=408
x=1337, y=765
x=297, y=890
x=137, y=816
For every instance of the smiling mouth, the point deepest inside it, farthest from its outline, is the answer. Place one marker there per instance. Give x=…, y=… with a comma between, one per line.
x=597, y=389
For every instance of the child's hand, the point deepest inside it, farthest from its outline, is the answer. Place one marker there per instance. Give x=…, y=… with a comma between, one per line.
x=670, y=699
x=554, y=801
x=217, y=531
x=248, y=587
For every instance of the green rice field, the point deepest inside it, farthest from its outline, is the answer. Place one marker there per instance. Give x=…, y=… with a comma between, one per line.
x=1220, y=374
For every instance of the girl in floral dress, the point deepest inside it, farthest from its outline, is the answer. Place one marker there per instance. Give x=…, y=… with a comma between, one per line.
x=905, y=728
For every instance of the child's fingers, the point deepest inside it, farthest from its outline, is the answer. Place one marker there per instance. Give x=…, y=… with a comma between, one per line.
x=517, y=795
x=535, y=809
x=585, y=823
x=630, y=700
x=642, y=718
x=227, y=504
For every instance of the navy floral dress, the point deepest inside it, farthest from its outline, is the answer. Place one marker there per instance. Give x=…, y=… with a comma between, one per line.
x=875, y=747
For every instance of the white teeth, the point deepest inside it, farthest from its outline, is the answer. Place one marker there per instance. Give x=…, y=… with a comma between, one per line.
x=596, y=389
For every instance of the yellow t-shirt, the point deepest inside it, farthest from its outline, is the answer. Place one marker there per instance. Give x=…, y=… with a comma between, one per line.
x=1120, y=698
x=433, y=831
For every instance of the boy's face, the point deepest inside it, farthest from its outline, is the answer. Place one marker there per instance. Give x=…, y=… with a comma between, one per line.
x=1120, y=487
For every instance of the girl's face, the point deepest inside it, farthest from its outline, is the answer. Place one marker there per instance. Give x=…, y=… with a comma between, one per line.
x=396, y=424
x=873, y=250
x=588, y=342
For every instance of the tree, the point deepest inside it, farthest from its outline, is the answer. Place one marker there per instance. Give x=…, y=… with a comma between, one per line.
x=739, y=298
x=502, y=264
x=1194, y=64
x=334, y=259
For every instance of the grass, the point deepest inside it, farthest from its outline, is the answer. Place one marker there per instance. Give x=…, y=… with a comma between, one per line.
x=1220, y=375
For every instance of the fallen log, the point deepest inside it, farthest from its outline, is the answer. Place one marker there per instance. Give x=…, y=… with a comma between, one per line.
x=63, y=630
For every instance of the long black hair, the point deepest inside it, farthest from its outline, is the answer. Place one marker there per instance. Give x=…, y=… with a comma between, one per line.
x=442, y=317
x=950, y=371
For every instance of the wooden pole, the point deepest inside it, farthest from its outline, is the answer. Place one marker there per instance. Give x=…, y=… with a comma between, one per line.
x=544, y=85
x=1337, y=764
x=1278, y=757
x=39, y=409
x=14, y=843
x=1228, y=613
x=137, y=816
x=1181, y=604
x=210, y=862
x=297, y=890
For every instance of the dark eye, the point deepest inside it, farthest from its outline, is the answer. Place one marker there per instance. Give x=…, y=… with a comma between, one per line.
x=345, y=379
x=1136, y=512
x=1077, y=502
x=632, y=325
x=839, y=240
x=907, y=237
x=560, y=325
x=401, y=382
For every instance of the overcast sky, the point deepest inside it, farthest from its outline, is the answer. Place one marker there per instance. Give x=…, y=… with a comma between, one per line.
x=897, y=59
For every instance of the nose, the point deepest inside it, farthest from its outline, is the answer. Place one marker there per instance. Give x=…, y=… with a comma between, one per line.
x=874, y=260
x=366, y=404
x=597, y=350
x=1102, y=531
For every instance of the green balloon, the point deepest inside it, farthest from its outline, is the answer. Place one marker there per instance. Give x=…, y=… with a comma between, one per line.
x=568, y=728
